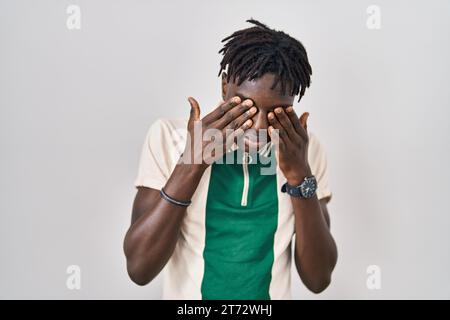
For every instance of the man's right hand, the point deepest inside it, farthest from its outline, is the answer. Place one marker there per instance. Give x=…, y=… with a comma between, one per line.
x=156, y=223
x=230, y=120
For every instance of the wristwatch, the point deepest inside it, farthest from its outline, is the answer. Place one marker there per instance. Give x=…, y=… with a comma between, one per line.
x=305, y=190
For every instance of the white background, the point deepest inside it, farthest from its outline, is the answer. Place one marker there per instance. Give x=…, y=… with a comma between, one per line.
x=75, y=107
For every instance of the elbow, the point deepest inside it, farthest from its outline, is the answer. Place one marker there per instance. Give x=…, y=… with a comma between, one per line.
x=318, y=279
x=320, y=284
x=144, y=263
x=136, y=275
x=135, y=264
x=138, y=270
x=140, y=273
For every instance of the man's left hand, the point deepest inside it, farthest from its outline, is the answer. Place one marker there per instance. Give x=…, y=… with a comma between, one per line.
x=292, y=140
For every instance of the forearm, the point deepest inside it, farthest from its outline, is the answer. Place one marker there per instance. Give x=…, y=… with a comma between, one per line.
x=315, y=249
x=151, y=239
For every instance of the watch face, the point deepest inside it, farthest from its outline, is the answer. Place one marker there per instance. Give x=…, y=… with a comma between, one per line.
x=308, y=187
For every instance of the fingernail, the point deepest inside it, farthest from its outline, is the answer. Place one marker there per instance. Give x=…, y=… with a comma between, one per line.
x=236, y=100
x=289, y=109
x=278, y=110
x=248, y=103
x=252, y=110
x=270, y=115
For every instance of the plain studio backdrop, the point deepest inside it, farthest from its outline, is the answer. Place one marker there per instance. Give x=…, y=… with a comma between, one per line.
x=76, y=105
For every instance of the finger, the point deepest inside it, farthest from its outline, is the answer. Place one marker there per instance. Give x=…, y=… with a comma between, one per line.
x=304, y=121
x=303, y=124
x=235, y=135
x=230, y=117
x=273, y=121
x=295, y=121
x=275, y=138
x=239, y=121
x=286, y=123
x=222, y=109
x=195, y=110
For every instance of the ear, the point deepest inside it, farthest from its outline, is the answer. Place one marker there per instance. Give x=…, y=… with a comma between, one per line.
x=224, y=85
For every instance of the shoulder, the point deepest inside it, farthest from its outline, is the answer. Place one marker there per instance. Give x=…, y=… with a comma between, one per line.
x=166, y=139
x=167, y=131
x=167, y=125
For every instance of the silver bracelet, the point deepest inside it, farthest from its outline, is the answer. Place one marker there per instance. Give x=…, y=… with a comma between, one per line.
x=172, y=200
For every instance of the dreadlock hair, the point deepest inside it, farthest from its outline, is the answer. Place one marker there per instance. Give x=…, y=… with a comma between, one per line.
x=250, y=53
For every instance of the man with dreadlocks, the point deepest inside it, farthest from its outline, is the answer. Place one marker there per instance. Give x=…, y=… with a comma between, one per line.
x=224, y=230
